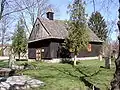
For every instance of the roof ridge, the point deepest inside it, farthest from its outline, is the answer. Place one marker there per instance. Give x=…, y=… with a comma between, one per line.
x=57, y=29
x=45, y=27
x=93, y=34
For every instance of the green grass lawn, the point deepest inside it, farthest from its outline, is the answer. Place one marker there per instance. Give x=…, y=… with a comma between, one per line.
x=100, y=77
x=3, y=63
x=66, y=77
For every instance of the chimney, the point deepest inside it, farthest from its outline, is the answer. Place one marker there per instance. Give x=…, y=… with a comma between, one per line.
x=50, y=14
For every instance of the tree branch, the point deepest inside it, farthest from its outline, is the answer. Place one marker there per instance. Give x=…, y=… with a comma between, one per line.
x=18, y=10
x=94, y=5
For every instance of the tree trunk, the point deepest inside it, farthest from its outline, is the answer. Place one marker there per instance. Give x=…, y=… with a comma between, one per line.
x=115, y=84
x=19, y=55
x=2, y=8
x=75, y=60
x=3, y=33
x=107, y=62
x=9, y=62
x=75, y=56
x=2, y=52
x=116, y=81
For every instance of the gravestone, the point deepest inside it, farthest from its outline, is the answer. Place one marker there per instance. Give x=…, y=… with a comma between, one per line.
x=100, y=57
x=11, y=60
x=107, y=62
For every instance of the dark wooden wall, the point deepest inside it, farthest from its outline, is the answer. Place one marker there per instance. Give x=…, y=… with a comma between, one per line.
x=46, y=53
x=54, y=49
x=44, y=44
x=95, y=51
x=51, y=49
x=31, y=53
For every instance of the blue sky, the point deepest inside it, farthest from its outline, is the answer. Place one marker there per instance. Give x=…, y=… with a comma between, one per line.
x=61, y=6
x=109, y=11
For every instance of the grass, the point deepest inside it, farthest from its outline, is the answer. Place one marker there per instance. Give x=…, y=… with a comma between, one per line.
x=56, y=77
x=100, y=77
x=66, y=77
x=3, y=63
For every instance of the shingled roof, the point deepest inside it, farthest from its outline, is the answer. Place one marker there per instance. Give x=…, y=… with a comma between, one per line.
x=57, y=29
x=92, y=36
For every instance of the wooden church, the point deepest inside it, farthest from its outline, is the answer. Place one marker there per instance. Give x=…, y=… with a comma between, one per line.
x=47, y=36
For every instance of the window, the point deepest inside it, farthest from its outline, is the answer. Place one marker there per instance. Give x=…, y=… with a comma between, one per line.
x=37, y=30
x=89, y=48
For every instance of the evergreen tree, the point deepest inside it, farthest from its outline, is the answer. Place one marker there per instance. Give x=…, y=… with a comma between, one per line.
x=78, y=37
x=98, y=25
x=19, y=43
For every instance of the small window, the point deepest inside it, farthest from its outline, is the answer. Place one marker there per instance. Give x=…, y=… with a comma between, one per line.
x=37, y=30
x=89, y=48
x=42, y=50
x=37, y=26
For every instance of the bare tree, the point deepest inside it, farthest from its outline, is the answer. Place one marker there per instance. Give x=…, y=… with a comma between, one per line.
x=2, y=6
x=108, y=6
x=5, y=33
x=38, y=8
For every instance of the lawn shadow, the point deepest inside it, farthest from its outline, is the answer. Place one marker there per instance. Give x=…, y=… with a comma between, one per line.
x=81, y=78
x=68, y=61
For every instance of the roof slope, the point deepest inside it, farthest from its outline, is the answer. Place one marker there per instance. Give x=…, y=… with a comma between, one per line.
x=92, y=36
x=57, y=29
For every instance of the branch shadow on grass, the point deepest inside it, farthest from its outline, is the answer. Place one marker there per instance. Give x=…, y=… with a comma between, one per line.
x=68, y=61
x=86, y=82
x=81, y=78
